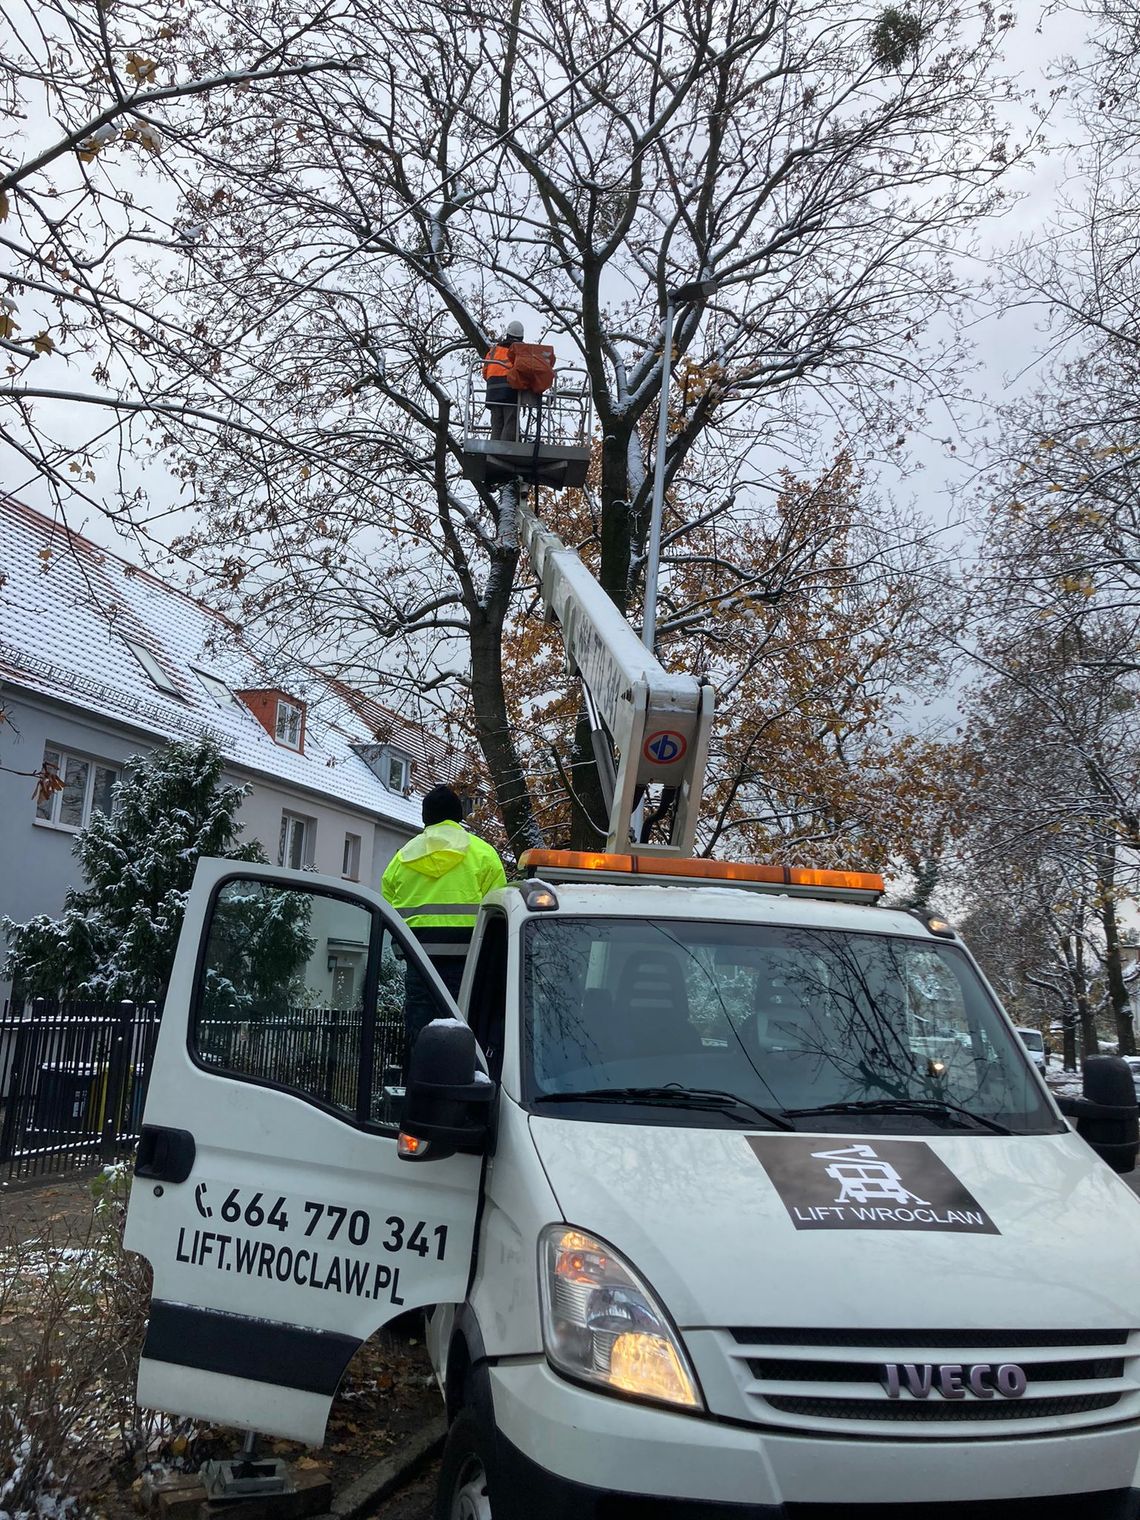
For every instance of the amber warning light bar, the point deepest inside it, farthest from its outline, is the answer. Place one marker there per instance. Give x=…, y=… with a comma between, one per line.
x=800, y=881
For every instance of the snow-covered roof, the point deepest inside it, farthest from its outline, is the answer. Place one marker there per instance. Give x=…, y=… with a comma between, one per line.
x=68, y=612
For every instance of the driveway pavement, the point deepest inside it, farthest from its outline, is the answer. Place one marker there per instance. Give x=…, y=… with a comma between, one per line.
x=414, y=1502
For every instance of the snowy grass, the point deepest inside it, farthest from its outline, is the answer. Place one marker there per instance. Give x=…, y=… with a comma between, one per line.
x=72, y=1318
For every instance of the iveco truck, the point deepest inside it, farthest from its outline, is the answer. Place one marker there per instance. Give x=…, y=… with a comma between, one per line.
x=727, y=1196
x=730, y=1193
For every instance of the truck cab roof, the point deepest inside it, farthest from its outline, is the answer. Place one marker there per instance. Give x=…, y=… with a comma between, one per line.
x=736, y=904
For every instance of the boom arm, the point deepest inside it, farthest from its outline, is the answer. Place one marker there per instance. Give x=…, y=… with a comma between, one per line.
x=657, y=723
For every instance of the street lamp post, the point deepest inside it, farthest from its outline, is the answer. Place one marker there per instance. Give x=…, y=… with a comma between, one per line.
x=694, y=290
x=653, y=556
x=690, y=292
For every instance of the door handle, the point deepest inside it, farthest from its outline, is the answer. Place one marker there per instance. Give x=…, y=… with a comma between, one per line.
x=166, y=1155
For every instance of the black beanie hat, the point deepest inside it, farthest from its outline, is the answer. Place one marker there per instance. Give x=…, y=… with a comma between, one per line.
x=441, y=805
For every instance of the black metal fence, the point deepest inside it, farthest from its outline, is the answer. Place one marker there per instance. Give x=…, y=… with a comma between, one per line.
x=73, y=1076
x=315, y=1051
x=72, y=1082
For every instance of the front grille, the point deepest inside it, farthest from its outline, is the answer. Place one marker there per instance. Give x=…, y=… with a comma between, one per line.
x=785, y=1370
x=930, y=1413
x=899, y=1340
x=835, y=1380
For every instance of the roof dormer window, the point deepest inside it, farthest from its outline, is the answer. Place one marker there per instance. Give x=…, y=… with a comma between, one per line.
x=158, y=677
x=280, y=715
x=288, y=725
x=391, y=767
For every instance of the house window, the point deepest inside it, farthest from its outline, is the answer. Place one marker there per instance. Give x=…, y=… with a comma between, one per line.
x=390, y=767
x=288, y=726
x=216, y=688
x=350, y=866
x=298, y=835
x=154, y=670
x=87, y=788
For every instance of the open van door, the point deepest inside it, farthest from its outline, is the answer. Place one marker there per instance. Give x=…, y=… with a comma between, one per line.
x=268, y=1197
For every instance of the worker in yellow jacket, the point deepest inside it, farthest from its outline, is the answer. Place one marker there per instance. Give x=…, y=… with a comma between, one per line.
x=436, y=883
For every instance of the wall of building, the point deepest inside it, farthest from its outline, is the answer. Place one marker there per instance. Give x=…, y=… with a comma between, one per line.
x=327, y=826
x=36, y=861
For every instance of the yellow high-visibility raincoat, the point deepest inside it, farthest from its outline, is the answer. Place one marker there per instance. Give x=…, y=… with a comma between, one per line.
x=445, y=870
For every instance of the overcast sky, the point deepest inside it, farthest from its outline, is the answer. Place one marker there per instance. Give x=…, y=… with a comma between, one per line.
x=1007, y=343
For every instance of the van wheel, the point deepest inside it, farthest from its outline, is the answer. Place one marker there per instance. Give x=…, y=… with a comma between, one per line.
x=464, y=1491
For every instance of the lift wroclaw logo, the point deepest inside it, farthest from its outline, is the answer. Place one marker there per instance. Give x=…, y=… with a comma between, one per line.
x=853, y=1185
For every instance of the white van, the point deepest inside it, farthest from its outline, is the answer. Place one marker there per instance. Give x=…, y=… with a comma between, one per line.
x=748, y=1204
x=1034, y=1042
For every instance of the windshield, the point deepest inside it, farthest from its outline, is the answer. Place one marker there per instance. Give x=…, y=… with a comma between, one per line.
x=1031, y=1039
x=785, y=1019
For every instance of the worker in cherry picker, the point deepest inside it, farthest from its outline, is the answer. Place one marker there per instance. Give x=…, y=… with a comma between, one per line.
x=502, y=398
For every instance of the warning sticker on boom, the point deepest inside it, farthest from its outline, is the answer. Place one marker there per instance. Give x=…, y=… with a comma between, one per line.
x=665, y=747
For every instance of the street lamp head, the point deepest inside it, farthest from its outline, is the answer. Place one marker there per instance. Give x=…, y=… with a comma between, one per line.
x=692, y=290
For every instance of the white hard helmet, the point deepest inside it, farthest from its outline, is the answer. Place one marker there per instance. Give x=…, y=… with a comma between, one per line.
x=514, y=329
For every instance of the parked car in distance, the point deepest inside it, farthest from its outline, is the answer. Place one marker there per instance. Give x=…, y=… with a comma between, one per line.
x=1133, y=1064
x=1034, y=1043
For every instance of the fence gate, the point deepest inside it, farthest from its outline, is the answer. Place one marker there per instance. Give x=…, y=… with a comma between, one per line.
x=72, y=1082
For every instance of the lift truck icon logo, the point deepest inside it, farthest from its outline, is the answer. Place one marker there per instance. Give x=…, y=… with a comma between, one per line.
x=857, y=1185
x=864, y=1178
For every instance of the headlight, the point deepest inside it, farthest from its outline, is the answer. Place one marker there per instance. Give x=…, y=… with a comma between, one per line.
x=601, y=1323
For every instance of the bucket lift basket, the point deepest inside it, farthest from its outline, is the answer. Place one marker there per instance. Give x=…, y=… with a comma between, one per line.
x=553, y=444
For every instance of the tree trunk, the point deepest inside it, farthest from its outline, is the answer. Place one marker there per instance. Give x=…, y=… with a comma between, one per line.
x=489, y=698
x=1113, y=965
x=1068, y=1040
x=1090, y=1044
x=613, y=571
x=589, y=814
x=495, y=737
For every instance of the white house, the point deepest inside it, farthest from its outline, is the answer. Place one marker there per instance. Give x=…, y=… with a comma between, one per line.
x=100, y=660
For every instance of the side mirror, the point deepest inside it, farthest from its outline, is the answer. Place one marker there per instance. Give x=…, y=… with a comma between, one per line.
x=447, y=1098
x=1107, y=1116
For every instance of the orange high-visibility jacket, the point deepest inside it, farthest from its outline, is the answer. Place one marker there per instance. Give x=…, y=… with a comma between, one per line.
x=497, y=364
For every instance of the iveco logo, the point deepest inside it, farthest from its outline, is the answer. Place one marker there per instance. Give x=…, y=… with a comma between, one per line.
x=953, y=1380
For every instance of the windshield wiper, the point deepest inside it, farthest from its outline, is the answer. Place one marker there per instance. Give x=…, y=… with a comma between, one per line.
x=902, y=1106
x=673, y=1096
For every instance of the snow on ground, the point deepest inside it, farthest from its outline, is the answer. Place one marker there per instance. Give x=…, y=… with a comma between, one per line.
x=1064, y=1084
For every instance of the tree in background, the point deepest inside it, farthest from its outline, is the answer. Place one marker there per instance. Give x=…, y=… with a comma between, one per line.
x=1063, y=486
x=1060, y=607
x=1064, y=514
x=1084, y=272
x=808, y=166
x=117, y=935
x=1055, y=811
x=106, y=111
x=258, y=948
x=1031, y=927
x=812, y=620
x=1052, y=840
